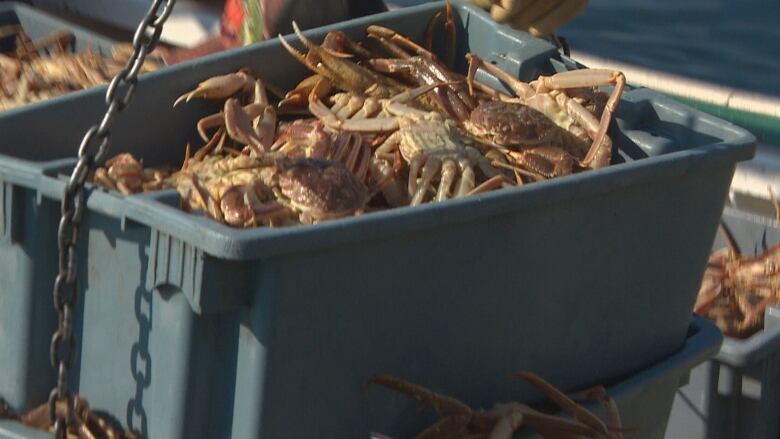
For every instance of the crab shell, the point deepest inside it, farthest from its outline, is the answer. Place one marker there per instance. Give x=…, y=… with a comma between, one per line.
x=511, y=124
x=320, y=189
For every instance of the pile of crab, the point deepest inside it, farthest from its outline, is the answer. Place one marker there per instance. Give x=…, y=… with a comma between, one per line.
x=382, y=123
x=737, y=288
x=35, y=70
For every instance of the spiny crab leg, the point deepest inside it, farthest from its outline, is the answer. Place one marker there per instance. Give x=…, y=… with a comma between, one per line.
x=300, y=94
x=219, y=87
x=252, y=111
x=343, y=73
x=563, y=401
x=239, y=127
x=520, y=415
x=265, y=127
x=522, y=89
x=455, y=100
x=449, y=29
x=494, y=182
x=456, y=414
x=373, y=125
x=600, y=395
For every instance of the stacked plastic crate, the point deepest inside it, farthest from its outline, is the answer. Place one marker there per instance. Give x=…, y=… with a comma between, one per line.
x=188, y=328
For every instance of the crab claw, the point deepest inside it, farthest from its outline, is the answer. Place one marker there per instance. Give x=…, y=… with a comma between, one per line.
x=239, y=126
x=219, y=87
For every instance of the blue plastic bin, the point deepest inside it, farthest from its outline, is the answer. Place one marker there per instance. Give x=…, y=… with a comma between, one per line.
x=644, y=398
x=189, y=328
x=27, y=263
x=737, y=394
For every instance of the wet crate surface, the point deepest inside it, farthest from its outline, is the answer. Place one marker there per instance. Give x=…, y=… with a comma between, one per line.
x=736, y=394
x=188, y=327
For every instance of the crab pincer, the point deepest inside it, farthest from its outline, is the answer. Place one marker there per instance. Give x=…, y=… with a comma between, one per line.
x=219, y=87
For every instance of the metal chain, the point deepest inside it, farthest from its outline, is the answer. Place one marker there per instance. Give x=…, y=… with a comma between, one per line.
x=92, y=150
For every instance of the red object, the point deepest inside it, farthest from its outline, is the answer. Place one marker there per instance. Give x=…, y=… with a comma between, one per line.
x=232, y=18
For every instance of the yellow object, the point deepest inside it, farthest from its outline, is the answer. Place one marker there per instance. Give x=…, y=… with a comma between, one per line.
x=539, y=17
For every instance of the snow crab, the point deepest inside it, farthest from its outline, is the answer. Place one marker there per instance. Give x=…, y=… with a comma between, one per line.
x=547, y=95
x=503, y=420
x=86, y=423
x=126, y=174
x=736, y=288
x=252, y=124
x=35, y=70
x=246, y=191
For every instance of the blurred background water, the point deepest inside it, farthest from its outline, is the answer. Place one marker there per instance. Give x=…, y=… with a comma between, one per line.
x=734, y=43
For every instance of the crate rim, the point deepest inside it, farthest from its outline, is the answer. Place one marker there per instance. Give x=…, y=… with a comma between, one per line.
x=229, y=243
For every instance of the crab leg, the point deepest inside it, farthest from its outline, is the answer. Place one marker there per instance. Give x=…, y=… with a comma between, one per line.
x=239, y=127
x=449, y=170
x=218, y=87
x=253, y=111
x=381, y=124
x=467, y=178
x=389, y=145
x=564, y=401
x=430, y=170
x=449, y=29
x=494, y=182
x=300, y=94
x=600, y=395
x=414, y=170
x=331, y=120
x=522, y=89
x=551, y=426
x=707, y=298
x=343, y=73
x=384, y=175
x=590, y=78
x=457, y=414
x=455, y=102
x=340, y=42
x=265, y=128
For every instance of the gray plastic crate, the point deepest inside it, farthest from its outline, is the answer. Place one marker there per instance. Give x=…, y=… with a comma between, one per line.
x=191, y=328
x=26, y=261
x=644, y=398
x=737, y=394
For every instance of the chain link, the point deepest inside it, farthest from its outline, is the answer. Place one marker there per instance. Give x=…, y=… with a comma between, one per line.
x=92, y=150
